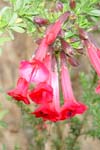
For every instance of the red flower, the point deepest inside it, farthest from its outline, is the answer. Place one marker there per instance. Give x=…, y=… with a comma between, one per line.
x=21, y=91
x=93, y=55
x=43, y=93
x=47, y=112
x=51, y=35
x=98, y=52
x=55, y=28
x=51, y=111
x=71, y=107
x=33, y=71
x=41, y=50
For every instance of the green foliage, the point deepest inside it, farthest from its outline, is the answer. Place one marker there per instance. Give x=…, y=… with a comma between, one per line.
x=4, y=147
x=93, y=102
x=2, y=115
x=18, y=16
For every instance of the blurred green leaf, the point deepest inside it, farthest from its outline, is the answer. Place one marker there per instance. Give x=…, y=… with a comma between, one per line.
x=6, y=14
x=3, y=124
x=69, y=34
x=1, y=51
x=4, y=147
x=18, y=29
x=2, y=114
x=13, y=19
x=11, y=34
x=3, y=40
x=18, y=4
x=95, y=12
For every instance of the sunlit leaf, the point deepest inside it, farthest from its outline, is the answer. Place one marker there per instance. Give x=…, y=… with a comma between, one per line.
x=18, y=29
x=95, y=12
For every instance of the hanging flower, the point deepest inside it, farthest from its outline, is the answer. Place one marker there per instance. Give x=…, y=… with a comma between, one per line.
x=93, y=55
x=20, y=93
x=51, y=111
x=42, y=93
x=55, y=28
x=39, y=79
x=33, y=71
x=71, y=107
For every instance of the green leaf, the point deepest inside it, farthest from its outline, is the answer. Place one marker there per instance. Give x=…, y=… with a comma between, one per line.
x=3, y=124
x=18, y=29
x=4, y=147
x=1, y=51
x=2, y=114
x=76, y=44
x=69, y=34
x=11, y=34
x=95, y=12
x=6, y=14
x=18, y=4
x=13, y=19
x=12, y=1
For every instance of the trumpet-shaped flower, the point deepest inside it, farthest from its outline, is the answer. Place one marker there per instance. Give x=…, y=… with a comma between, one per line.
x=93, y=55
x=71, y=107
x=43, y=93
x=51, y=35
x=34, y=71
x=20, y=93
x=51, y=111
x=55, y=28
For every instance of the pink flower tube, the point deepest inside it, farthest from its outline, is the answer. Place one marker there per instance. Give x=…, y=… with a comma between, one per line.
x=71, y=107
x=50, y=110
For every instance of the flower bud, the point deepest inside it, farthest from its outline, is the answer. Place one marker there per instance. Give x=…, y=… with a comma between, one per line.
x=82, y=34
x=73, y=61
x=38, y=41
x=80, y=50
x=72, y=4
x=66, y=47
x=40, y=21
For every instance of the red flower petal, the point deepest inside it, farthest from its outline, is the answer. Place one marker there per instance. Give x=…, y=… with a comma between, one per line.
x=47, y=112
x=93, y=55
x=21, y=91
x=71, y=107
x=33, y=71
x=43, y=93
x=51, y=111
